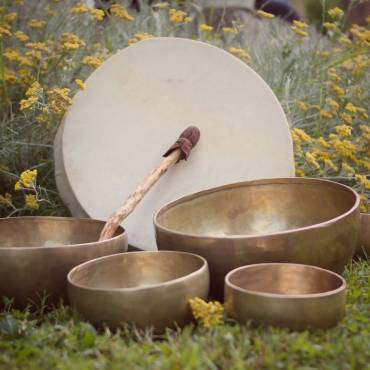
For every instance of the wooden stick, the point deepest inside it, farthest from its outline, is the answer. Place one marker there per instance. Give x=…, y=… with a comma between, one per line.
x=180, y=150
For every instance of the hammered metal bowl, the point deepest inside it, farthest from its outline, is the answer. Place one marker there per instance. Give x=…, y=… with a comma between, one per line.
x=364, y=244
x=147, y=289
x=296, y=220
x=287, y=295
x=36, y=254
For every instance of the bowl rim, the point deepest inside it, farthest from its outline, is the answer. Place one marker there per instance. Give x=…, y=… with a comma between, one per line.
x=229, y=284
x=282, y=180
x=123, y=234
x=200, y=270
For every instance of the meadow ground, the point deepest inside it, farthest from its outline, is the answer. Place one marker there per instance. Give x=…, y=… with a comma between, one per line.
x=320, y=76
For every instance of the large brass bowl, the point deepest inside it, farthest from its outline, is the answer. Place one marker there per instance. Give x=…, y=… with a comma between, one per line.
x=36, y=254
x=297, y=220
x=287, y=295
x=364, y=244
x=148, y=289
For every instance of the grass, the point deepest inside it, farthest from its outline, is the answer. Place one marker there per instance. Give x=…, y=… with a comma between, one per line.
x=59, y=339
x=322, y=84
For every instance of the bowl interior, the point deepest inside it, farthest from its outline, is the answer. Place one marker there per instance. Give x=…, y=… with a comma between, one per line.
x=48, y=231
x=285, y=279
x=135, y=270
x=257, y=208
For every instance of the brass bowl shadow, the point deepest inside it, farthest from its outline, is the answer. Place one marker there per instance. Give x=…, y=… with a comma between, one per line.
x=147, y=289
x=364, y=244
x=36, y=254
x=293, y=296
x=295, y=220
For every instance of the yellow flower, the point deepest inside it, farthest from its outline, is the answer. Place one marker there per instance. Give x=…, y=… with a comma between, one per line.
x=330, y=26
x=336, y=12
x=205, y=28
x=326, y=114
x=59, y=100
x=351, y=108
x=299, y=172
x=98, y=14
x=302, y=106
x=363, y=181
x=26, y=179
x=120, y=12
x=348, y=169
x=92, y=61
x=266, y=15
x=36, y=23
x=31, y=201
x=299, y=24
x=329, y=163
x=344, y=40
x=177, y=16
x=302, y=135
x=346, y=118
x=139, y=37
x=333, y=75
x=33, y=93
x=21, y=36
x=80, y=84
x=4, y=32
x=6, y=199
x=207, y=314
x=365, y=131
x=343, y=130
x=239, y=52
x=12, y=54
x=71, y=42
x=321, y=141
x=79, y=9
x=337, y=90
x=229, y=30
x=10, y=17
x=311, y=160
x=299, y=31
x=41, y=46
x=344, y=148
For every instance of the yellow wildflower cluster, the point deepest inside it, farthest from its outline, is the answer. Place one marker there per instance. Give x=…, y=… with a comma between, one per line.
x=240, y=53
x=33, y=94
x=92, y=61
x=207, y=314
x=58, y=100
x=37, y=23
x=205, y=28
x=336, y=12
x=299, y=28
x=98, y=14
x=79, y=9
x=120, y=12
x=26, y=180
x=80, y=84
x=263, y=14
x=70, y=41
x=31, y=202
x=139, y=37
x=178, y=16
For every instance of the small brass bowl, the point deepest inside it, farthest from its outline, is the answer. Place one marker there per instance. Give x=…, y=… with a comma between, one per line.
x=286, y=295
x=364, y=245
x=36, y=254
x=148, y=289
x=296, y=220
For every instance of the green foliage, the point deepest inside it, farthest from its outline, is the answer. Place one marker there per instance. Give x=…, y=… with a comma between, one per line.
x=59, y=339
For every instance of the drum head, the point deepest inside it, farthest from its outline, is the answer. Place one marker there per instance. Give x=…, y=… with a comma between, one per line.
x=134, y=107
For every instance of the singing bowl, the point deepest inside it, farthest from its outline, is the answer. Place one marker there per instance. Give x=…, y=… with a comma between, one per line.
x=364, y=244
x=147, y=289
x=296, y=220
x=293, y=296
x=36, y=254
